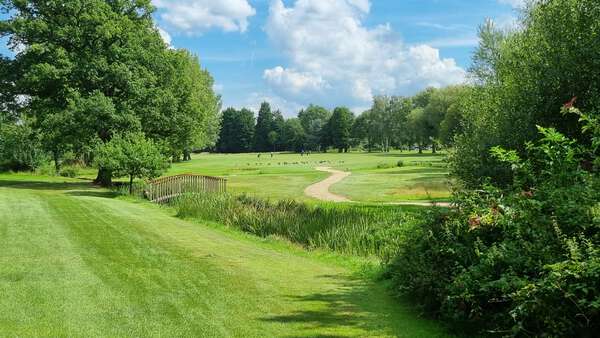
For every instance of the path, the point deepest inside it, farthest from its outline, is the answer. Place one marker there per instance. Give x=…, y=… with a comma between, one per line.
x=320, y=190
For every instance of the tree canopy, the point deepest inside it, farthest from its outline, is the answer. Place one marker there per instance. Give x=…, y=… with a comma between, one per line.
x=88, y=70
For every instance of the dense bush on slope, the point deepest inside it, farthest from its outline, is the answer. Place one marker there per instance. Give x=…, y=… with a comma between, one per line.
x=524, y=260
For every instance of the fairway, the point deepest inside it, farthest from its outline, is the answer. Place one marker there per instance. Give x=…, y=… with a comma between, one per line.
x=375, y=177
x=76, y=261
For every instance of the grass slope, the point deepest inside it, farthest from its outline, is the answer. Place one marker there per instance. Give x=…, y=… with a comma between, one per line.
x=74, y=261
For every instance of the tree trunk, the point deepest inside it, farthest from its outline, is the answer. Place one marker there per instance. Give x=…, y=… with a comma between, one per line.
x=56, y=161
x=130, y=184
x=433, y=150
x=420, y=149
x=104, y=177
x=187, y=156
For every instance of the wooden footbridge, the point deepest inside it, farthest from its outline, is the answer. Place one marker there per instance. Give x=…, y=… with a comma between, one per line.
x=164, y=189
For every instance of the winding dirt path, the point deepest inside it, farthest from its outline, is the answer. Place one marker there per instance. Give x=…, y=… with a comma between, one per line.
x=320, y=190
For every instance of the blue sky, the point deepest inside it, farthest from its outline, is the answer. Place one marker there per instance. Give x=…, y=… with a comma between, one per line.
x=327, y=52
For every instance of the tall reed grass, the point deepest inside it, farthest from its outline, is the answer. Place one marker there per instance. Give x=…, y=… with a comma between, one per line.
x=348, y=229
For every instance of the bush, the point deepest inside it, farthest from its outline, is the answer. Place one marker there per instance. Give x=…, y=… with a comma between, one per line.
x=384, y=165
x=523, y=260
x=400, y=164
x=69, y=171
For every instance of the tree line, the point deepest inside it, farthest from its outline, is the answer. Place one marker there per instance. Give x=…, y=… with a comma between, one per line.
x=428, y=120
x=87, y=72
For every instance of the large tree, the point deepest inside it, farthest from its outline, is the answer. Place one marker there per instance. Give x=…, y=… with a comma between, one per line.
x=313, y=119
x=523, y=79
x=264, y=126
x=237, y=131
x=105, y=62
x=340, y=126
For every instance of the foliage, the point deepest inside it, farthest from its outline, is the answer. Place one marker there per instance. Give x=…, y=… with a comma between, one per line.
x=339, y=127
x=88, y=70
x=523, y=260
x=523, y=77
x=237, y=131
x=131, y=155
x=355, y=230
x=264, y=126
x=20, y=149
x=313, y=119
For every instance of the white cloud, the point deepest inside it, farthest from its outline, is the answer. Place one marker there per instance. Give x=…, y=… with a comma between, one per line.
x=335, y=59
x=164, y=35
x=197, y=16
x=514, y=3
x=294, y=82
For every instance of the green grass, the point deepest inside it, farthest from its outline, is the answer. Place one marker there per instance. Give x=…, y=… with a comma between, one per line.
x=76, y=261
x=375, y=176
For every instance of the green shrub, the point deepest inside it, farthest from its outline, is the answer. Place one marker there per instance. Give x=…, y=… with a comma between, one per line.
x=400, y=164
x=384, y=165
x=69, y=171
x=519, y=261
x=355, y=230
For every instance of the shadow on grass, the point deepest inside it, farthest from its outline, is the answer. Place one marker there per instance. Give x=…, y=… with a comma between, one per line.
x=93, y=193
x=45, y=185
x=76, y=188
x=360, y=308
x=413, y=155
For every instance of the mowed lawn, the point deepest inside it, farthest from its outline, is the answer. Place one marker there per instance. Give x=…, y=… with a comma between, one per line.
x=375, y=176
x=76, y=261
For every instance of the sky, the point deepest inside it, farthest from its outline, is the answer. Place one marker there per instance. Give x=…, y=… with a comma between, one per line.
x=328, y=52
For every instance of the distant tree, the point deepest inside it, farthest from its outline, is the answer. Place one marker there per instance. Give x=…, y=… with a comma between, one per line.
x=419, y=127
x=237, y=131
x=294, y=136
x=132, y=155
x=273, y=139
x=278, y=126
x=314, y=119
x=340, y=125
x=264, y=125
x=447, y=110
x=363, y=130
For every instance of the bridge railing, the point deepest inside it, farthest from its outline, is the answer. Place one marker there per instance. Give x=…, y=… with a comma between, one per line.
x=166, y=188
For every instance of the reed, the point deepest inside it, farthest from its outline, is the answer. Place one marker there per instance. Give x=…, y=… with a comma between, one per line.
x=348, y=229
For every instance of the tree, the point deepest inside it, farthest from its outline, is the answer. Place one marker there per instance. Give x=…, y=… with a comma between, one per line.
x=188, y=105
x=419, y=127
x=313, y=120
x=237, y=131
x=73, y=52
x=278, y=143
x=131, y=155
x=20, y=148
x=264, y=125
x=523, y=77
x=363, y=129
x=340, y=125
x=293, y=137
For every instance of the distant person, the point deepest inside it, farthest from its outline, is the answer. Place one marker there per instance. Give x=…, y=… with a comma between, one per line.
x=302, y=152
x=271, y=154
